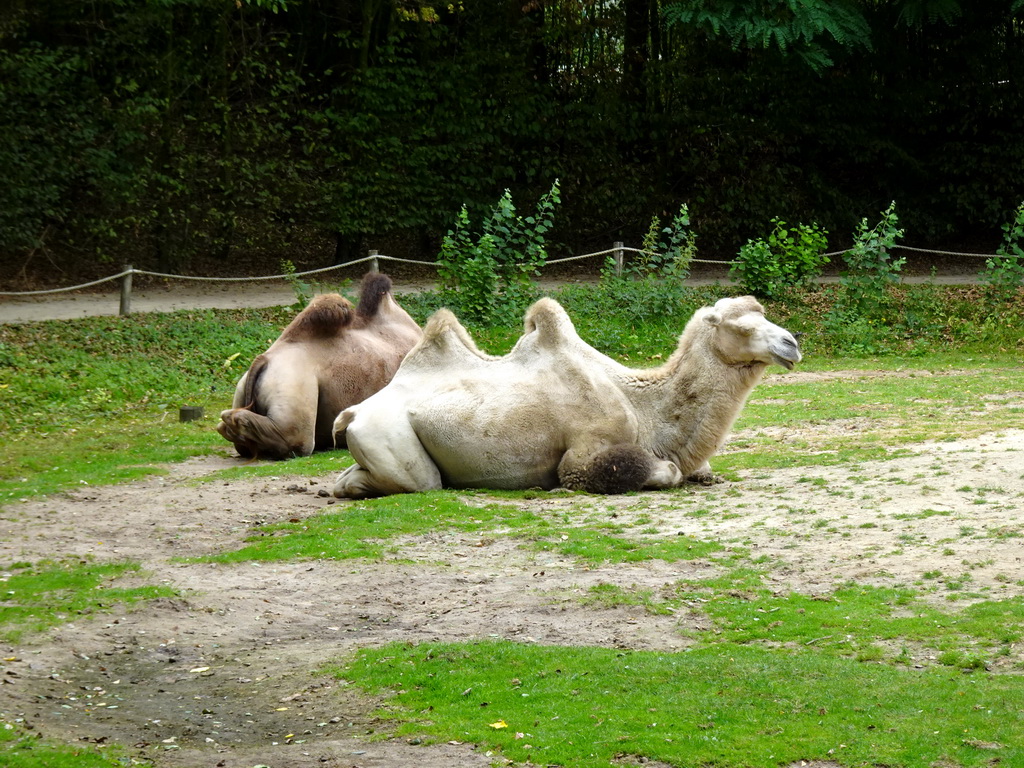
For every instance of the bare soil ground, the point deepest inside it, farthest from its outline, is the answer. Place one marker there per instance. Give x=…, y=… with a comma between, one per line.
x=228, y=674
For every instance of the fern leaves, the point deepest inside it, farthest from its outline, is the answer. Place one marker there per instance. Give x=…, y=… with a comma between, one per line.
x=803, y=27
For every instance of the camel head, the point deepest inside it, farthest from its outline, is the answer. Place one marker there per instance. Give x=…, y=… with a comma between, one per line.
x=743, y=337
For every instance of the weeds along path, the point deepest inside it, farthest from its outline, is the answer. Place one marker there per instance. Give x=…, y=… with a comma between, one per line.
x=182, y=296
x=228, y=672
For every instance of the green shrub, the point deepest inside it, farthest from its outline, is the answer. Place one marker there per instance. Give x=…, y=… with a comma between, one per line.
x=786, y=262
x=486, y=277
x=864, y=306
x=871, y=270
x=1004, y=274
x=666, y=252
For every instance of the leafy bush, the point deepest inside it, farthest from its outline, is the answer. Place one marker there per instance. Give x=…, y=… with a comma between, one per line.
x=1004, y=273
x=487, y=276
x=864, y=305
x=667, y=251
x=786, y=262
x=871, y=268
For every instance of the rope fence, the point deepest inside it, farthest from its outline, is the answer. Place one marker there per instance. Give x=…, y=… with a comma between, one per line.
x=617, y=251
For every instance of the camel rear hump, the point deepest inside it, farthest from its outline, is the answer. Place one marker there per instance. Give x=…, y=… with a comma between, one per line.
x=375, y=288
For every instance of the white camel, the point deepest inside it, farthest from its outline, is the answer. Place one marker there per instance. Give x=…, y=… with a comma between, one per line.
x=329, y=357
x=556, y=412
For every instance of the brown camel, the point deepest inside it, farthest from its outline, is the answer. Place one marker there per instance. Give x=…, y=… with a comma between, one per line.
x=329, y=357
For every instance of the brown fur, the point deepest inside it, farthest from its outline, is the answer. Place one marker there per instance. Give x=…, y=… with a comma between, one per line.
x=325, y=316
x=329, y=357
x=620, y=469
x=375, y=287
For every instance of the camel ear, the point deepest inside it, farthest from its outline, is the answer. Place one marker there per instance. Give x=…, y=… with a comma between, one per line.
x=713, y=319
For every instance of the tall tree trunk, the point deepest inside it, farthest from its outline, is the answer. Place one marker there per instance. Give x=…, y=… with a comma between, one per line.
x=636, y=51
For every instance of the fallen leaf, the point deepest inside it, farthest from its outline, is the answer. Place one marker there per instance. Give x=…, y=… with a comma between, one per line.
x=498, y=725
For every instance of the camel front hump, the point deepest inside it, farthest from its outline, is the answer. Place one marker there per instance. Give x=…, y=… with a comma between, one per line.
x=329, y=357
x=554, y=411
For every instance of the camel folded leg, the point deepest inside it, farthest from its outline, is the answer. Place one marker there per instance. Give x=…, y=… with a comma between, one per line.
x=389, y=460
x=286, y=426
x=263, y=436
x=618, y=469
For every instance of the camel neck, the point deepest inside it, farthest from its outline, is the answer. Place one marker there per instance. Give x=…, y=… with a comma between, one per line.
x=692, y=401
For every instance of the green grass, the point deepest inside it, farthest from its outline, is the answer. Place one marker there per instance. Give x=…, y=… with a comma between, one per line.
x=729, y=706
x=598, y=547
x=36, y=597
x=115, y=451
x=374, y=529
x=370, y=529
x=318, y=464
x=774, y=679
x=860, y=622
x=20, y=748
x=95, y=400
x=887, y=415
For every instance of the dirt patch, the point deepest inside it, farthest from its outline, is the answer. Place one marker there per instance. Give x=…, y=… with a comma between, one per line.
x=227, y=673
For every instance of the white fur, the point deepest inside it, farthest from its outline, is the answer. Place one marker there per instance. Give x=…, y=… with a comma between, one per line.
x=537, y=417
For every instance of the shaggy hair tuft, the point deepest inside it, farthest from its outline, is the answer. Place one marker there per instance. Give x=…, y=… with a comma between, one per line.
x=376, y=285
x=620, y=469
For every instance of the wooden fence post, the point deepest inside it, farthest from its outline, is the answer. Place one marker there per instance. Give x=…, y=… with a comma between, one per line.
x=373, y=261
x=619, y=258
x=126, y=291
x=190, y=413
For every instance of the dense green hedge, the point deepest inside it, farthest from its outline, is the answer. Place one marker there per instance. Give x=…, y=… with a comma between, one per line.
x=175, y=130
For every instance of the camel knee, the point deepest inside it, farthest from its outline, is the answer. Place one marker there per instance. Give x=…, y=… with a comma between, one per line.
x=618, y=469
x=664, y=474
x=356, y=482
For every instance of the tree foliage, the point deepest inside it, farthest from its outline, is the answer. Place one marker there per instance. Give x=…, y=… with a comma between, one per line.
x=791, y=25
x=171, y=132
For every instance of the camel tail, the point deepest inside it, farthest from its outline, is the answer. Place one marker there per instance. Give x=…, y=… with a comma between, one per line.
x=375, y=286
x=252, y=381
x=341, y=426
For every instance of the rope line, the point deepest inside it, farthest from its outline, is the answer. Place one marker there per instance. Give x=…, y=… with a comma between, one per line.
x=954, y=253
x=72, y=288
x=380, y=256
